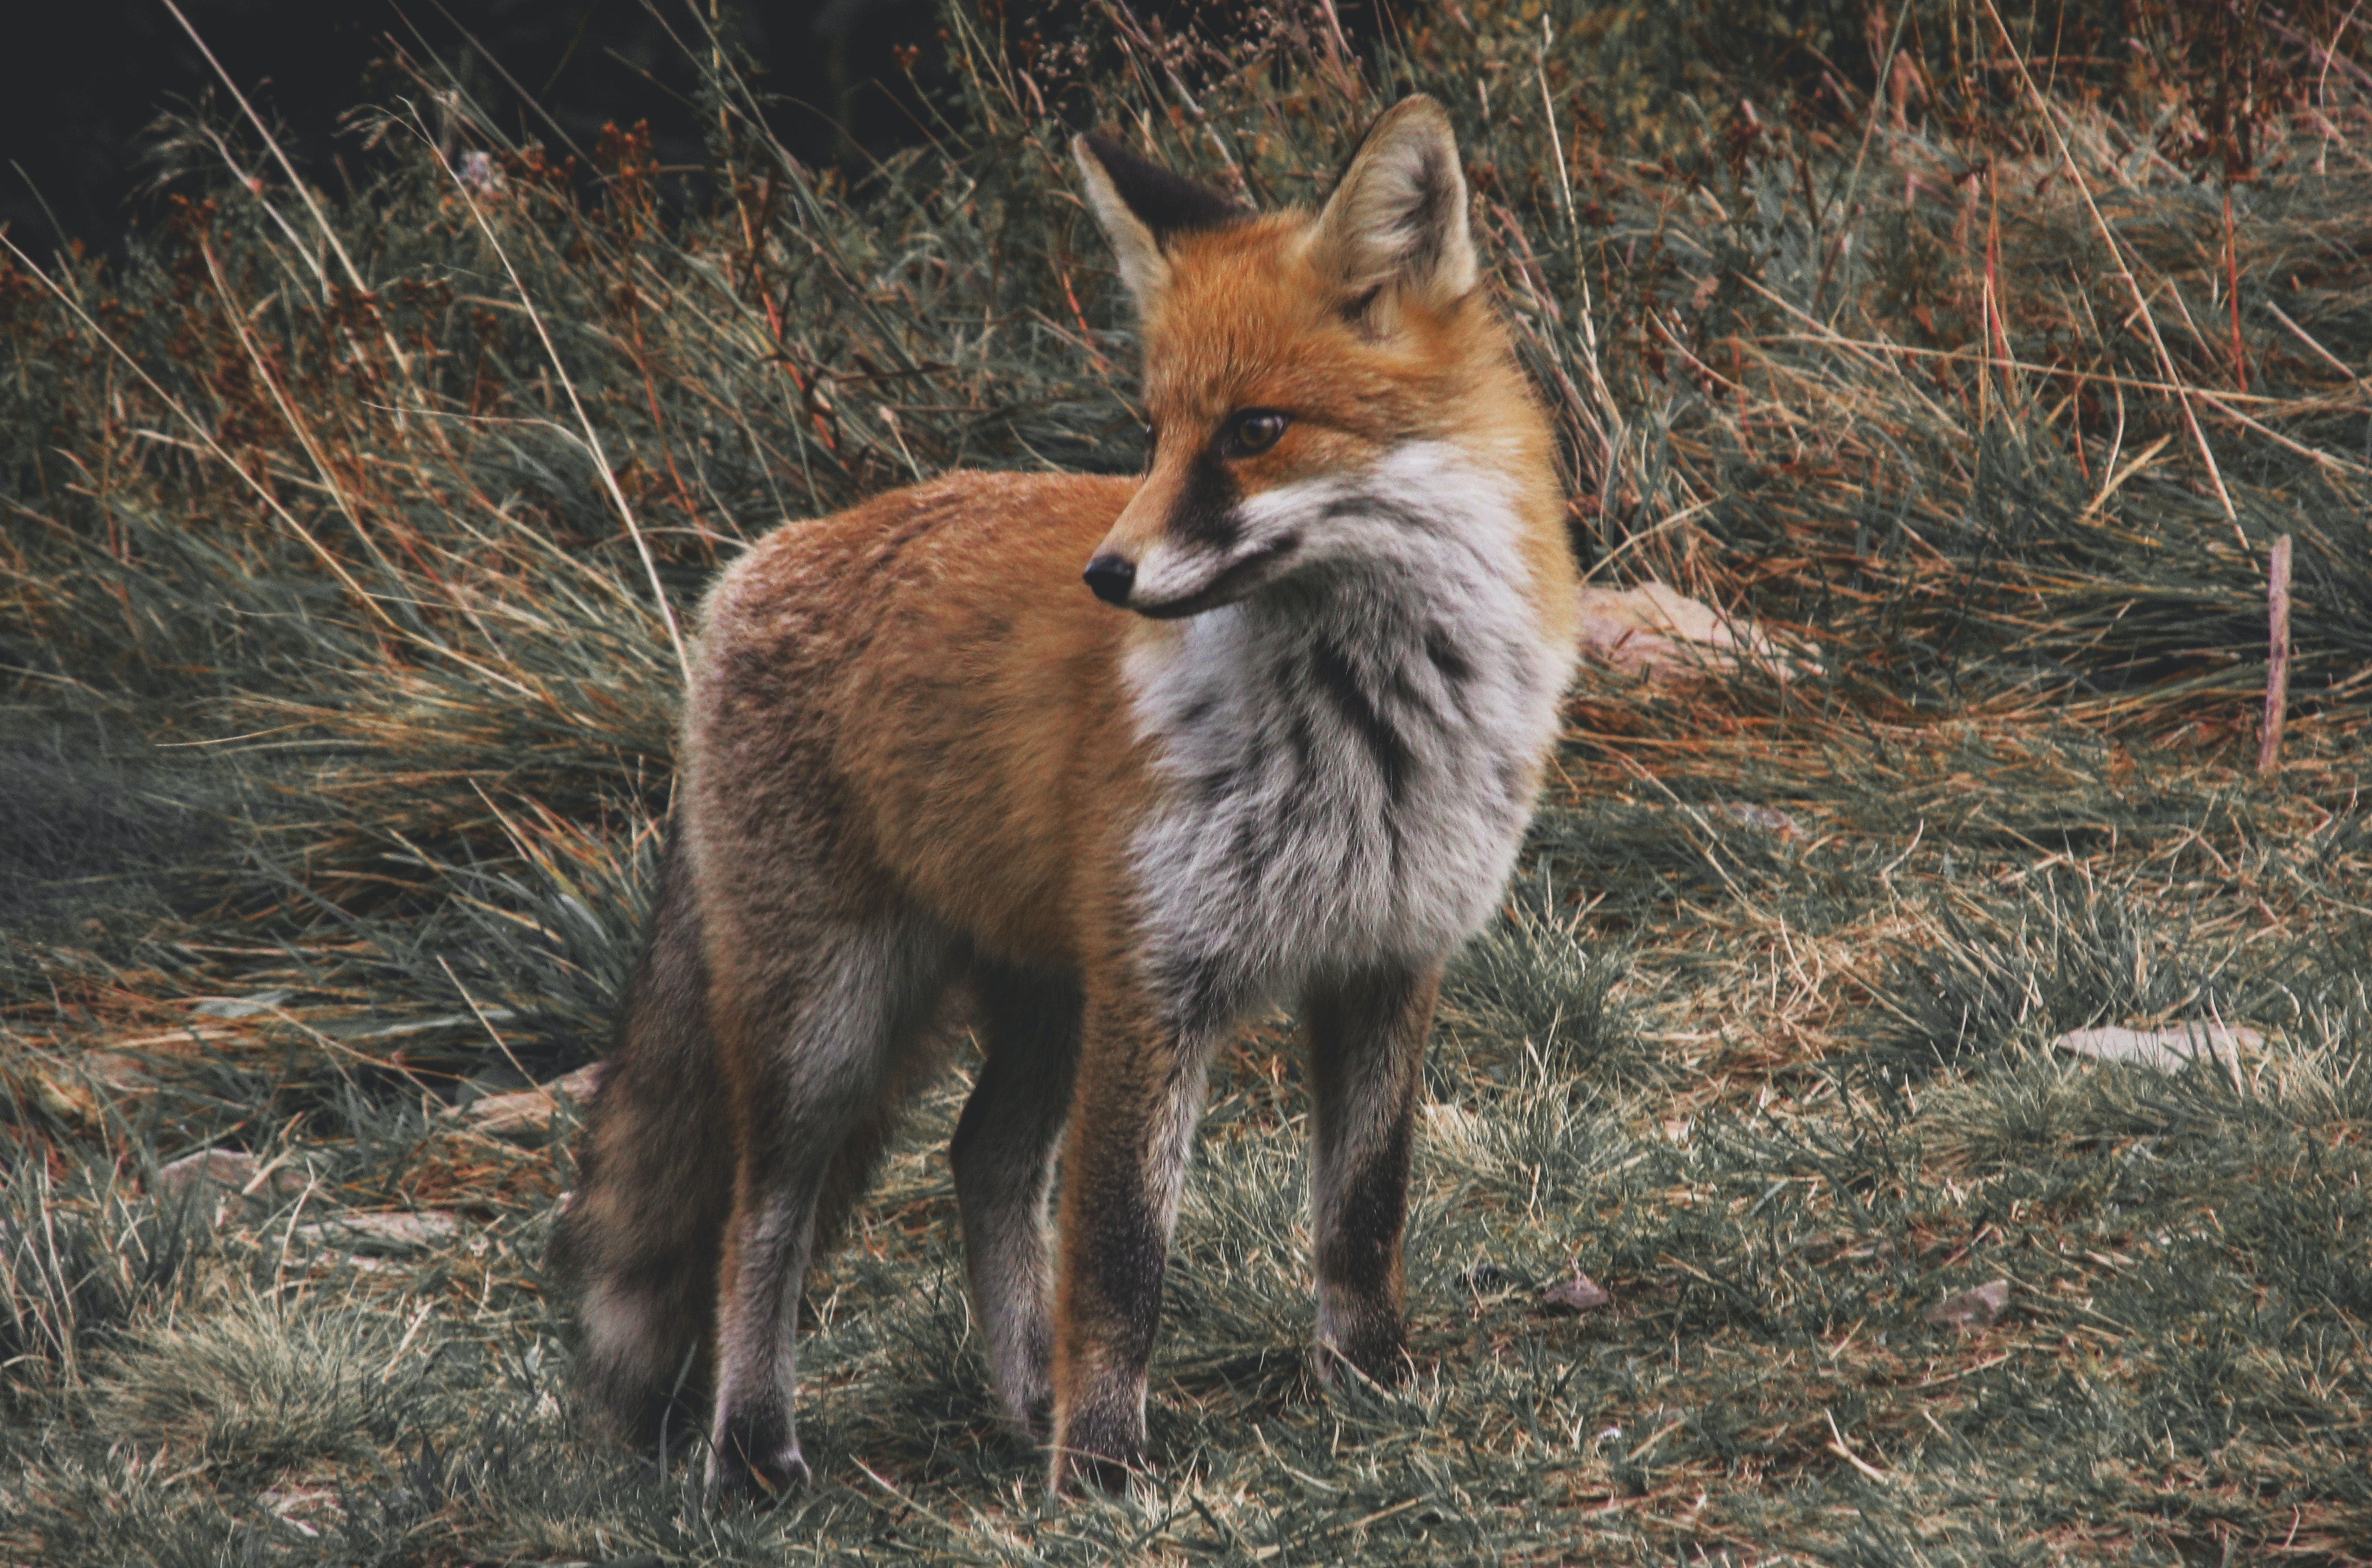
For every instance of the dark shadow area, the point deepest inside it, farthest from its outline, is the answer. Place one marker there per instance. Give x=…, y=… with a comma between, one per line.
x=84, y=84
x=99, y=831
x=849, y=81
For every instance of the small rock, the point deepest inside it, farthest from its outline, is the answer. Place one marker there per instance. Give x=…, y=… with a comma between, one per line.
x=1970, y=1309
x=1770, y=819
x=1578, y=1294
x=2177, y=1046
x=242, y=1007
x=119, y=1070
x=390, y=1232
x=231, y=1175
x=1656, y=631
x=530, y=1110
x=230, y=1169
x=73, y=1091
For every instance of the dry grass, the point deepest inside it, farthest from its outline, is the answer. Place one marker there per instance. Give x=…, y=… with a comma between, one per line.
x=342, y=552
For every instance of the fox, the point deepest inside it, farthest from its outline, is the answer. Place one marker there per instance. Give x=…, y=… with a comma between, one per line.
x=1124, y=762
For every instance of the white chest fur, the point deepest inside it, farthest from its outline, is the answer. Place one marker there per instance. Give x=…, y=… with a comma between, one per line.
x=1350, y=757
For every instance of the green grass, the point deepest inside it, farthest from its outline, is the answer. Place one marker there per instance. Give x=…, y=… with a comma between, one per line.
x=335, y=745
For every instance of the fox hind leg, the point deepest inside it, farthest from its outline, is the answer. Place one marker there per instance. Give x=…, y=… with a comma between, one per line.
x=1367, y=1048
x=1004, y=1158
x=638, y=1241
x=817, y=1058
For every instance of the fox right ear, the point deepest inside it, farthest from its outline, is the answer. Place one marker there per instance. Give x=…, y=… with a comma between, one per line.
x=1397, y=218
x=1142, y=206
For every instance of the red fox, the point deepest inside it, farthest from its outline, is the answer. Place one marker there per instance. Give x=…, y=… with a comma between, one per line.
x=1280, y=748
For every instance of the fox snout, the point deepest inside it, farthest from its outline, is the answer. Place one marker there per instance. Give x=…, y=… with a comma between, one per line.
x=1111, y=577
x=1186, y=543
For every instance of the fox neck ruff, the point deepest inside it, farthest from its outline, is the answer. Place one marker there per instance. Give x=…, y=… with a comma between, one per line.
x=1348, y=758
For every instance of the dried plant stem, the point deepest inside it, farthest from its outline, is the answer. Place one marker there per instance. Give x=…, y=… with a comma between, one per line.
x=297, y=426
x=206, y=441
x=585, y=423
x=2125, y=273
x=320, y=220
x=2277, y=662
x=2232, y=293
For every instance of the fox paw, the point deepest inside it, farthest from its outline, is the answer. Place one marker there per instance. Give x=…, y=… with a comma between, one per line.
x=1090, y=1454
x=756, y=1459
x=1377, y=1355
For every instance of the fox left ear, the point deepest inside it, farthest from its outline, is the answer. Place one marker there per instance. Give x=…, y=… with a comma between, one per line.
x=1397, y=219
x=1142, y=207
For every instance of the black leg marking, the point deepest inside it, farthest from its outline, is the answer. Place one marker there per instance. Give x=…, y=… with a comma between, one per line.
x=1004, y=1159
x=1367, y=1054
x=757, y=1459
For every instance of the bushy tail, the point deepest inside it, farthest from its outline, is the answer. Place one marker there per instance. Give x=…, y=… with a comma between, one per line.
x=638, y=1243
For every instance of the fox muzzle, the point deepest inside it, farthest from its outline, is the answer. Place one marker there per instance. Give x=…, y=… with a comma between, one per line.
x=1111, y=577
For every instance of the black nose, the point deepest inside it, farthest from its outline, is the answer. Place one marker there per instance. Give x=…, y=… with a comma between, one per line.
x=1111, y=578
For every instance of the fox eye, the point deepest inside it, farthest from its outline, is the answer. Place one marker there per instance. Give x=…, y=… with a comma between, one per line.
x=1252, y=432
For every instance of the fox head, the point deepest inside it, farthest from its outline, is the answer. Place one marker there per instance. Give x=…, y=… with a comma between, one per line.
x=1315, y=384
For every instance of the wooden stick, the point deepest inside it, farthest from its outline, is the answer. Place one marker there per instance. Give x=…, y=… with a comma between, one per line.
x=2232, y=292
x=2277, y=666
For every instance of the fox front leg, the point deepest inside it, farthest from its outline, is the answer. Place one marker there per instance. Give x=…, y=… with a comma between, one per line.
x=1131, y=1128
x=1366, y=1048
x=1003, y=1160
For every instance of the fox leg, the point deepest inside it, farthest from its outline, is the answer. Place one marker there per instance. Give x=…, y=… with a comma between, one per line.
x=814, y=1047
x=638, y=1241
x=1133, y=1115
x=1367, y=1048
x=1004, y=1158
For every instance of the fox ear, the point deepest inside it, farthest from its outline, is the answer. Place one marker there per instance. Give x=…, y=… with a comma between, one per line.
x=1142, y=205
x=1398, y=215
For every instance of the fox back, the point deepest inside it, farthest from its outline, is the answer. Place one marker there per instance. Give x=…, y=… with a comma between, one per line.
x=1279, y=746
